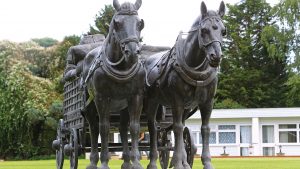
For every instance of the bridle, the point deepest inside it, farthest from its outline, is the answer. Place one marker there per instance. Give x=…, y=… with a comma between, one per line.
x=123, y=41
x=198, y=28
x=191, y=75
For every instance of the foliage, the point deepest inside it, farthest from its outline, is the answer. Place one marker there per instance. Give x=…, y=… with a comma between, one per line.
x=227, y=104
x=287, y=14
x=62, y=49
x=254, y=69
x=294, y=90
x=24, y=103
x=45, y=42
x=102, y=21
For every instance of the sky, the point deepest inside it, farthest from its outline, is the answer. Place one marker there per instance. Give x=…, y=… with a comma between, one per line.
x=22, y=20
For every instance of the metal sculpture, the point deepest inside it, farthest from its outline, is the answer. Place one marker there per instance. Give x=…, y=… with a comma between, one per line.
x=185, y=78
x=113, y=77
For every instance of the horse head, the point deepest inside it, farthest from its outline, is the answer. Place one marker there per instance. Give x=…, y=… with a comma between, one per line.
x=125, y=29
x=210, y=33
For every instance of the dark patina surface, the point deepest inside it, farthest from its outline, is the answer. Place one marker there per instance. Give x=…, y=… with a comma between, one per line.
x=183, y=79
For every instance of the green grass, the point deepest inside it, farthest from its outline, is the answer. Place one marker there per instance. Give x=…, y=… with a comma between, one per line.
x=219, y=163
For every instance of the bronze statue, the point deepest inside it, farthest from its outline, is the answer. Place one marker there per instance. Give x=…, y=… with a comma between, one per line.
x=77, y=53
x=113, y=77
x=184, y=78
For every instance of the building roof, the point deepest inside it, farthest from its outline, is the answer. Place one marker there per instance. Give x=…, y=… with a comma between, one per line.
x=253, y=112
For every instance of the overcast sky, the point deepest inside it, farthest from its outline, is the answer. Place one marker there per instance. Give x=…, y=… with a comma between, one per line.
x=22, y=20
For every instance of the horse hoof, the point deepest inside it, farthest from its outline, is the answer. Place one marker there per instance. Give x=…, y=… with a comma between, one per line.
x=92, y=167
x=151, y=166
x=208, y=166
x=104, y=167
x=126, y=166
x=136, y=166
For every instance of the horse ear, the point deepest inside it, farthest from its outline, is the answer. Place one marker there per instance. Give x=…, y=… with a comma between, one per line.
x=138, y=4
x=203, y=9
x=222, y=9
x=117, y=5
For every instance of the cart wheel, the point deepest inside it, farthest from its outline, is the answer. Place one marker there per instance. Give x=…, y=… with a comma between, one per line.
x=164, y=155
x=189, y=146
x=74, y=149
x=59, y=145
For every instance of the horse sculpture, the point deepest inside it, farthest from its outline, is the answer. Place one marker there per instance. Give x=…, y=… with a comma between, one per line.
x=185, y=78
x=113, y=78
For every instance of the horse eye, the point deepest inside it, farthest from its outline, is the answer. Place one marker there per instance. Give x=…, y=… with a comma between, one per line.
x=141, y=24
x=224, y=32
x=117, y=25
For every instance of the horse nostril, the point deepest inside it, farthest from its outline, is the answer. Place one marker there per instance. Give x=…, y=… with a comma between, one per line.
x=126, y=52
x=138, y=52
x=213, y=56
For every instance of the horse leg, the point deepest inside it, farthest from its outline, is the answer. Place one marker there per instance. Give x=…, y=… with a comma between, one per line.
x=102, y=105
x=124, y=119
x=205, y=132
x=151, y=111
x=94, y=133
x=179, y=157
x=135, y=105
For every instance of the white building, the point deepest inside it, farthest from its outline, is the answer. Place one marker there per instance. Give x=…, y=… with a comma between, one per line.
x=251, y=132
x=248, y=132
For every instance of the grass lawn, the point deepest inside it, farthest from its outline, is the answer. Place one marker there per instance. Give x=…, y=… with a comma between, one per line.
x=219, y=163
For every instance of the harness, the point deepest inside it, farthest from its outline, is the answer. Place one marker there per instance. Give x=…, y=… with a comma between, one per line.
x=191, y=75
x=101, y=60
x=188, y=74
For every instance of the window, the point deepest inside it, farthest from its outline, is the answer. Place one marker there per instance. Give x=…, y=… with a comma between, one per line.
x=268, y=134
x=244, y=151
x=288, y=133
x=268, y=151
x=226, y=127
x=287, y=126
x=245, y=134
x=226, y=137
x=194, y=135
x=227, y=134
x=212, y=138
x=287, y=137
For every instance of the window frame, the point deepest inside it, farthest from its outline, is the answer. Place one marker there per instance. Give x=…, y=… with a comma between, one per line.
x=235, y=131
x=297, y=130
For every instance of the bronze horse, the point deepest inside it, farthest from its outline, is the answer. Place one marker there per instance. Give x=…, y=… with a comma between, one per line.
x=185, y=78
x=113, y=77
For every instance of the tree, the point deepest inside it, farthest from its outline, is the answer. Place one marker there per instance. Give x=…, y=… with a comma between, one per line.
x=45, y=42
x=287, y=15
x=102, y=21
x=253, y=74
x=24, y=105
